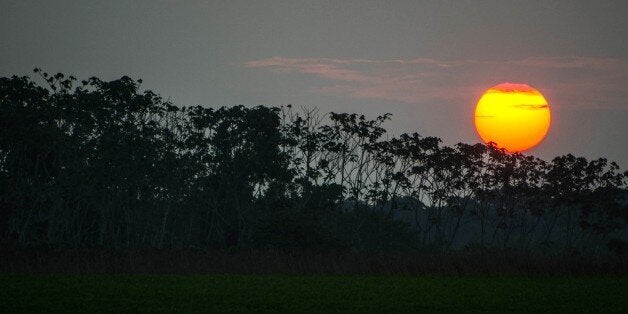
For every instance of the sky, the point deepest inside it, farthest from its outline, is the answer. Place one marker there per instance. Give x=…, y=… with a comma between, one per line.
x=426, y=62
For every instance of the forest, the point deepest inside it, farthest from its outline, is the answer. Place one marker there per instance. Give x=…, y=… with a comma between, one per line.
x=108, y=165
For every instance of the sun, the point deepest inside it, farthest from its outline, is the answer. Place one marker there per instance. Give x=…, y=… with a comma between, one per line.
x=513, y=116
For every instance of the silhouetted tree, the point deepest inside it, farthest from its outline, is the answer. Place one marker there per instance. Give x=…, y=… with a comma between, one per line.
x=105, y=164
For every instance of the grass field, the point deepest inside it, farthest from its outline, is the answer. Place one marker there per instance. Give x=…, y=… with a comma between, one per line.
x=315, y=293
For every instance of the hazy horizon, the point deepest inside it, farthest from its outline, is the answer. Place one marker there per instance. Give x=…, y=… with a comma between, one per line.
x=426, y=63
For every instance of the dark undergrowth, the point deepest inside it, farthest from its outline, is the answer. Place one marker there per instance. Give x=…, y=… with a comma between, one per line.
x=40, y=261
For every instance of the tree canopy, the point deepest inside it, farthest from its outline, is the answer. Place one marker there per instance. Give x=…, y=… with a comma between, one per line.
x=105, y=164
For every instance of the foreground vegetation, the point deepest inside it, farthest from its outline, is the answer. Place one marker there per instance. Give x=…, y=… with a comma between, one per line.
x=272, y=293
x=473, y=262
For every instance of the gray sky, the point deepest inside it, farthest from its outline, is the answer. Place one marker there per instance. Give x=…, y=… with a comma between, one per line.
x=427, y=62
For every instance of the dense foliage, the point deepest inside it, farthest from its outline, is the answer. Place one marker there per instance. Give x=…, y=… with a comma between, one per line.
x=104, y=164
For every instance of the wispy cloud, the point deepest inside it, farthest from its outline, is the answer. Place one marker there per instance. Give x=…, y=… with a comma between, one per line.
x=530, y=107
x=585, y=81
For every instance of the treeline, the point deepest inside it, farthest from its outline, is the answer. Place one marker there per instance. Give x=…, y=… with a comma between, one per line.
x=103, y=164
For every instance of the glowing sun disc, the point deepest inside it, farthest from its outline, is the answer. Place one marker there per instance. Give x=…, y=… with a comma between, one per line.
x=513, y=116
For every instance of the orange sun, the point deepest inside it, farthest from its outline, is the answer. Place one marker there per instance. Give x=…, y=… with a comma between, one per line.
x=513, y=116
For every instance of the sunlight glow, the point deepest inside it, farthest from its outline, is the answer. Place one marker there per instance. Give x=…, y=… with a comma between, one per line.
x=513, y=116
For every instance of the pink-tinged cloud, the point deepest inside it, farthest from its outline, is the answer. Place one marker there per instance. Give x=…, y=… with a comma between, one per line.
x=328, y=68
x=575, y=81
x=513, y=88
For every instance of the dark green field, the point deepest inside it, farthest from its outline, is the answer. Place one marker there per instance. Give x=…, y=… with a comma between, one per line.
x=316, y=293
